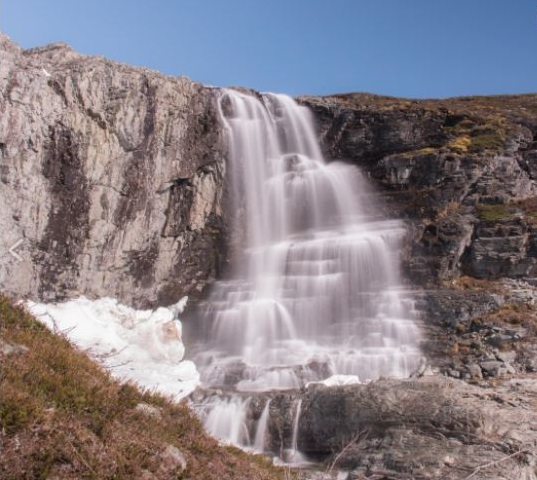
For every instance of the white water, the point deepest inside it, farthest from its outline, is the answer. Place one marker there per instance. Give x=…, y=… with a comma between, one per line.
x=293, y=456
x=226, y=420
x=316, y=292
x=294, y=441
x=259, y=442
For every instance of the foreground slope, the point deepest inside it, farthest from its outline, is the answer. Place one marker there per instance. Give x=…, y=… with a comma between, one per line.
x=63, y=417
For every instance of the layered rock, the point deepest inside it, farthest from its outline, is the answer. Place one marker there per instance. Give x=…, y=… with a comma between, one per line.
x=111, y=176
x=426, y=428
x=461, y=171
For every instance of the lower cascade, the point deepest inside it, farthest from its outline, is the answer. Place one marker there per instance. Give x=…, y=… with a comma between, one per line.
x=315, y=293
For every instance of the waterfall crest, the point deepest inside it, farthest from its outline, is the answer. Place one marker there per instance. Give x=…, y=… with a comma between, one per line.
x=317, y=290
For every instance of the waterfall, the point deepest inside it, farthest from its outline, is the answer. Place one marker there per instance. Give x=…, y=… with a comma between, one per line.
x=294, y=439
x=259, y=441
x=226, y=420
x=316, y=290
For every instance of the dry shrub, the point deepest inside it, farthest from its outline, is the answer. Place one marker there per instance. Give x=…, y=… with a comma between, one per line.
x=477, y=284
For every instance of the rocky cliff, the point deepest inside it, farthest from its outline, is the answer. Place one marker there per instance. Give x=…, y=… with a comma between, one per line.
x=111, y=179
x=114, y=178
x=113, y=182
x=461, y=171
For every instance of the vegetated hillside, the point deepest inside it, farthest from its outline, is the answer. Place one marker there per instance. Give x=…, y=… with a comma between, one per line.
x=63, y=417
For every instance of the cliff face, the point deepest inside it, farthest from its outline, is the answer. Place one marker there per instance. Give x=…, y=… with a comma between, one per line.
x=461, y=171
x=112, y=183
x=111, y=176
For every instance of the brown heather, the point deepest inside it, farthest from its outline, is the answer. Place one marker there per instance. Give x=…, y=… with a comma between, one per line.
x=63, y=417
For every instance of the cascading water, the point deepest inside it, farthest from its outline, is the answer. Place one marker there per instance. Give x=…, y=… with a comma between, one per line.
x=259, y=441
x=294, y=438
x=226, y=419
x=317, y=291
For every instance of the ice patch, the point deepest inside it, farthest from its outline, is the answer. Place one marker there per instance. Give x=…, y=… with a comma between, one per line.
x=140, y=346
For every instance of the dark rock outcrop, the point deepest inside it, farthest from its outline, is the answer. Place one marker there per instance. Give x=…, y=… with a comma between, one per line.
x=422, y=428
x=461, y=171
x=427, y=428
x=111, y=176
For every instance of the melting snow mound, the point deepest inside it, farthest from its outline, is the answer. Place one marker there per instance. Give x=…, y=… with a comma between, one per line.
x=140, y=346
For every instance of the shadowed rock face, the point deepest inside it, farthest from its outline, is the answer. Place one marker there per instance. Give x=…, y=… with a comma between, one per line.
x=113, y=177
x=461, y=171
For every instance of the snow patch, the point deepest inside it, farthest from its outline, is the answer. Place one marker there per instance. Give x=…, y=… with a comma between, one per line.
x=139, y=346
x=337, y=381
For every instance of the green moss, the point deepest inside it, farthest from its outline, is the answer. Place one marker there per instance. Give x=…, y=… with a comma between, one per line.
x=494, y=213
x=487, y=141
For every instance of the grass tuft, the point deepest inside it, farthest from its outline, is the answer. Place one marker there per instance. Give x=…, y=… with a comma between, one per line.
x=495, y=213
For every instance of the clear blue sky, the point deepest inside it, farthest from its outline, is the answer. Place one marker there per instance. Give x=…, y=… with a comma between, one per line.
x=412, y=48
